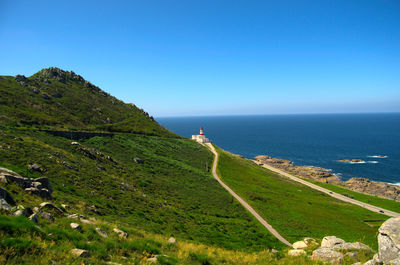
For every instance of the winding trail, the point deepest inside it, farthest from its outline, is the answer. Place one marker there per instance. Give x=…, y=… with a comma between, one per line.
x=333, y=194
x=241, y=201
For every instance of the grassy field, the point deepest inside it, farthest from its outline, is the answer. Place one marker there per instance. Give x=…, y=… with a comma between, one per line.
x=374, y=200
x=171, y=193
x=295, y=210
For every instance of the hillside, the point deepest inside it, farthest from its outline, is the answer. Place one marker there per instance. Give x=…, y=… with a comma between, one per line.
x=62, y=100
x=105, y=164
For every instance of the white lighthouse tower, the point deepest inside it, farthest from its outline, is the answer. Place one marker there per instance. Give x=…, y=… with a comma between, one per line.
x=201, y=137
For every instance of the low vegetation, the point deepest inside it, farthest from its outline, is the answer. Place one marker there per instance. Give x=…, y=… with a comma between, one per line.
x=295, y=210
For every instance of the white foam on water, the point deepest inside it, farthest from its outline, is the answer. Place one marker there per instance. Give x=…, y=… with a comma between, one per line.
x=378, y=156
x=372, y=162
x=361, y=162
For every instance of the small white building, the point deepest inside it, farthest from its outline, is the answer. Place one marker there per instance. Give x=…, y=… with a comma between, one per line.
x=201, y=137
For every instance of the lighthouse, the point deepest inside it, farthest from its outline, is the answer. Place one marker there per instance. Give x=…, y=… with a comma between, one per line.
x=201, y=138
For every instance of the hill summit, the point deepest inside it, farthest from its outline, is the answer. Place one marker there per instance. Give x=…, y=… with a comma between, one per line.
x=56, y=99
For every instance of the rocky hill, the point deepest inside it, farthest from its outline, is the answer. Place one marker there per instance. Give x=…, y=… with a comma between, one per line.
x=62, y=100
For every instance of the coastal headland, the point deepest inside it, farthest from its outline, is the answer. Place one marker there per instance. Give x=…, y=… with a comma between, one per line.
x=363, y=185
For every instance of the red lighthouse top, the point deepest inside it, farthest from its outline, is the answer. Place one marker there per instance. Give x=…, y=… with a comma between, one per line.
x=201, y=130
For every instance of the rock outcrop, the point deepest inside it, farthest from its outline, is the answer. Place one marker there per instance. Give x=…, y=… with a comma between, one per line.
x=39, y=186
x=380, y=189
x=314, y=173
x=389, y=241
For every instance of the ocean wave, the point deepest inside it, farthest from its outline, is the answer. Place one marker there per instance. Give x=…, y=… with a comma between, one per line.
x=372, y=162
x=378, y=156
x=396, y=183
x=361, y=162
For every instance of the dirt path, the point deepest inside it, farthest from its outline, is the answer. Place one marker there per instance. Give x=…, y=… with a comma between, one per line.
x=334, y=194
x=242, y=202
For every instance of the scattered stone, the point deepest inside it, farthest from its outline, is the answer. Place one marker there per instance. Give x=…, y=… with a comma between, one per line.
x=389, y=241
x=50, y=206
x=23, y=212
x=299, y=245
x=95, y=210
x=74, y=143
x=47, y=216
x=296, y=252
x=274, y=251
x=172, y=240
x=35, y=167
x=73, y=216
x=327, y=255
x=34, y=218
x=101, y=232
x=80, y=252
x=4, y=205
x=45, y=183
x=6, y=196
x=120, y=233
x=75, y=226
x=152, y=259
x=86, y=221
x=65, y=207
x=138, y=160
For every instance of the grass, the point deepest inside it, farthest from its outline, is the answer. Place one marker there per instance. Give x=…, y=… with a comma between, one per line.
x=295, y=210
x=171, y=193
x=373, y=200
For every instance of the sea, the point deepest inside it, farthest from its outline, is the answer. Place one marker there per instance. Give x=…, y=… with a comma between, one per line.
x=319, y=140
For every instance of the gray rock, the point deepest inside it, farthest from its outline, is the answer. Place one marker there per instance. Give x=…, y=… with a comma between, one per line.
x=80, y=252
x=47, y=216
x=355, y=245
x=50, y=206
x=45, y=183
x=34, y=218
x=35, y=167
x=332, y=242
x=327, y=255
x=24, y=212
x=389, y=240
x=43, y=193
x=101, y=232
x=75, y=226
x=299, y=245
x=36, y=185
x=120, y=233
x=73, y=216
x=172, y=240
x=6, y=196
x=4, y=205
x=138, y=160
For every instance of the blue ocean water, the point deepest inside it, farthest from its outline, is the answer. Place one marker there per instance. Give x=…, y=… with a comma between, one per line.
x=314, y=140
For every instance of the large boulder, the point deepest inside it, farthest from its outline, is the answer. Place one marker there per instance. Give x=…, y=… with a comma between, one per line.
x=389, y=241
x=327, y=255
x=332, y=242
x=299, y=245
x=296, y=252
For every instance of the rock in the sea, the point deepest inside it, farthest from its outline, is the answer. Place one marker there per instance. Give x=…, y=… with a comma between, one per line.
x=172, y=240
x=327, y=255
x=332, y=242
x=389, y=241
x=101, y=232
x=80, y=252
x=296, y=252
x=75, y=226
x=299, y=245
x=120, y=233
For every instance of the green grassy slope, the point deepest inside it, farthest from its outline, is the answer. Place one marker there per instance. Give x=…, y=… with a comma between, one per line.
x=295, y=210
x=171, y=193
x=56, y=99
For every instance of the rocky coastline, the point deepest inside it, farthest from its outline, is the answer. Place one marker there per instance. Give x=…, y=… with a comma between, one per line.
x=362, y=185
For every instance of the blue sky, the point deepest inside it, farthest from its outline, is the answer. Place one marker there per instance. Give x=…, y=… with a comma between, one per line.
x=179, y=58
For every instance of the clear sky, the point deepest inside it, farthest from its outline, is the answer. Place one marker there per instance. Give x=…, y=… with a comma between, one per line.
x=216, y=57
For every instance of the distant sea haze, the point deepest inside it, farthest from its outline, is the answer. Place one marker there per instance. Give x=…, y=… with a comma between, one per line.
x=314, y=140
